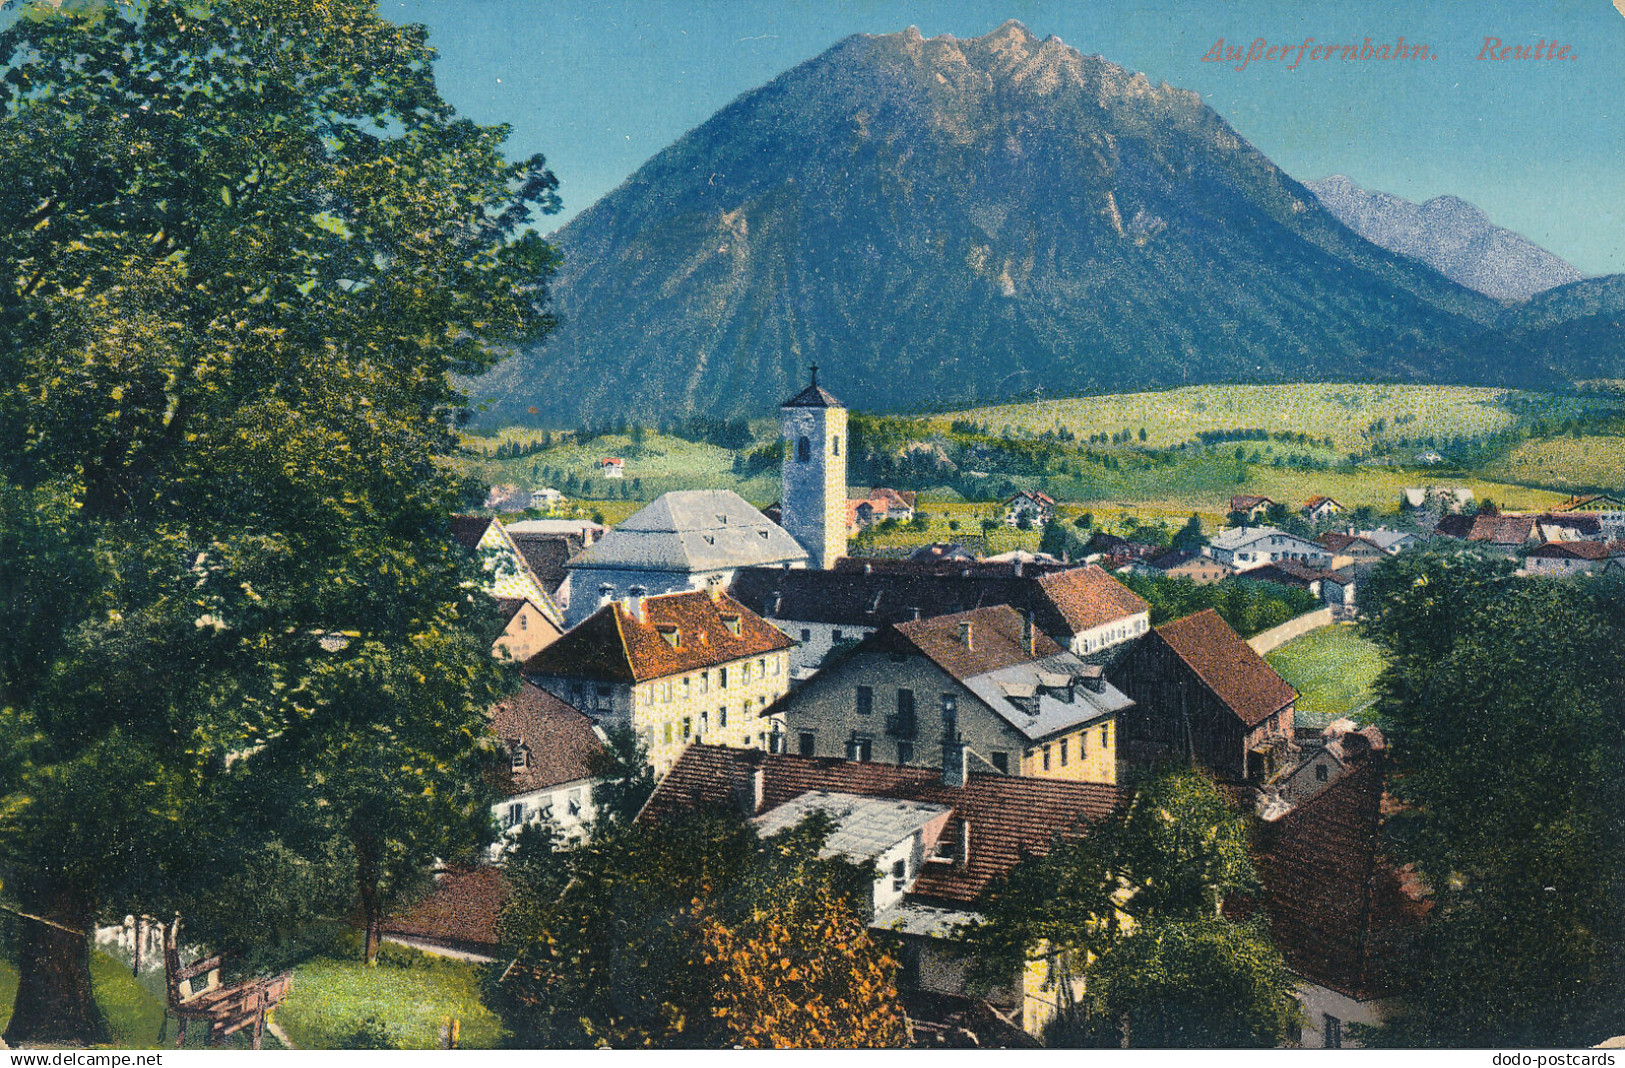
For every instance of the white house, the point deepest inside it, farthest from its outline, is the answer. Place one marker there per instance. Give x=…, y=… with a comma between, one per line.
x=612, y=467
x=1038, y=508
x=1245, y=548
x=548, y=775
x=1570, y=558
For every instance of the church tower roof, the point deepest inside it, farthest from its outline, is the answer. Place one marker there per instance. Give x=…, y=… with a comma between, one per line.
x=814, y=396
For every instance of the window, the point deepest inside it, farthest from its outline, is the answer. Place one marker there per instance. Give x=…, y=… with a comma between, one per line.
x=809, y=743
x=1106, y=736
x=672, y=635
x=803, y=450
x=1063, y=752
x=515, y=815
x=722, y=716
x=835, y=444
x=1332, y=1031
x=732, y=623
x=761, y=668
x=517, y=757
x=705, y=682
x=687, y=726
x=1321, y=773
x=665, y=691
x=905, y=752
x=1046, y=758
x=705, y=723
x=950, y=716
x=860, y=749
x=899, y=875
x=574, y=806
x=722, y=678
x=806, y=634
x=668, y=732
x=1001, y=763
x=836, y=635
x=865, y=700
x=688, y=690
x=905, y=705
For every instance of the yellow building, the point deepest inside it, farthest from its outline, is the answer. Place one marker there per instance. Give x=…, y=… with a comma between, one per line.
x=677, y=669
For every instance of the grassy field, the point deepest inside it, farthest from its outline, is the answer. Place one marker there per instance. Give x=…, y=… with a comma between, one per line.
x=1166, y=475
x=331, y=999
x=1345, y=412
x=1332, y=669
x=1583, y=463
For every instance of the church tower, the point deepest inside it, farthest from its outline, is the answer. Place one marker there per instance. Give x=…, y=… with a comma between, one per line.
x=813, y=509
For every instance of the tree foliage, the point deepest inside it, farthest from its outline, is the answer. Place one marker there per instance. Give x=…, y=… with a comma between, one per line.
x=1502, y=700
x=1248, y=606
x=696, y=934
x=243, y=248
x=1128, y=919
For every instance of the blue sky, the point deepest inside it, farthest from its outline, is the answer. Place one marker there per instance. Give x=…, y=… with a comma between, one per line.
x=599, y=86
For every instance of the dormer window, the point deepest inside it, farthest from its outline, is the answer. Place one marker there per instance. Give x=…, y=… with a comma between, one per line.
x=669, y=632
x=518, y=755
x=732, y=623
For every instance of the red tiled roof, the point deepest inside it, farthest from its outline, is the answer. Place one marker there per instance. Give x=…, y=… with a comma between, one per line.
x=1575, y=550
x=461, y=911
x=1088, y=597
x=1244, y=502
x=1228, y=666
x=559, y=740
x=995, y=634
x=1032, y=495
x=1338, y=542
x=1488, y=527
x=1010, y=816
x=1336, y=902
x=614, y=645
x=1318, y=500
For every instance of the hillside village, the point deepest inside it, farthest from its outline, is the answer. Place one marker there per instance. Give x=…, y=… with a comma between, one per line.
x=927, y=703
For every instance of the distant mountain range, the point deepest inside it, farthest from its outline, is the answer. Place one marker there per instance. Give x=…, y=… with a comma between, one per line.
x=1449, y=235
x=943, y=222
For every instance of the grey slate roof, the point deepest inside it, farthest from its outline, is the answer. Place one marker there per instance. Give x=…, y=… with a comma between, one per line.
x=865, y=827
x=1028, y=695
x=693, y=530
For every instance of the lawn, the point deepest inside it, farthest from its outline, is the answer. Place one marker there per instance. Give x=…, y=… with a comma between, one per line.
x=1594, y=461
x=1332, y=669
x=332, y=998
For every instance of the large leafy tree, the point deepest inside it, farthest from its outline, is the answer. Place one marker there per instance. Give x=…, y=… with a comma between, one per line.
x=694, y=933
x=244, y=247
x=1128, y=919
x=1502, y=700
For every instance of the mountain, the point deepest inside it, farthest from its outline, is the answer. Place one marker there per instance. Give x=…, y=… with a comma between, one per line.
x=1449, y=235
x=948, y=222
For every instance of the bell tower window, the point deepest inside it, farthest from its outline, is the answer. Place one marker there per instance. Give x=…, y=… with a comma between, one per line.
x=804, y=450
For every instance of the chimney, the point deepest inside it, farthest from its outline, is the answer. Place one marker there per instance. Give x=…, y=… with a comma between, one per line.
x=1027, y=645
x=965, y=634
x=962, y=859
x=954, y=771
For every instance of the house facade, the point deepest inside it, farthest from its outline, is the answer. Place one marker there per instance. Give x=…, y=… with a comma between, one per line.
x=675, y=669
x=526, y=630
x=1250, y=506
x=507, y=575
x=1201, y=693
x=985, y=680
x=1036, y=507
x=1562, y=558
x=1198, y=567
x=1349, y=549
x=1319, y=509
x=547, y=777
x=877, y=506
x=685, y=540
x=1244, y=548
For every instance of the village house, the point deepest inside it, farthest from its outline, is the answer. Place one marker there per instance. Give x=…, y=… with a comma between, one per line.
x=1337, y=749
x=1391, y=541
x=955, y=833
x=1202, y=694
x=526, y=630
x=675, y=669
x=612, y=467
x=1349, y=549
x=1288, y=573
x=548, y=545
x=1251, y=507
x=507, y=573
x=1571, y=558
x=1318, y=509
x=1244, y=548
x=1506, y=534
x=1036, y=507
x=1083, y=608
x=988, y=680
x=547, y=777
x=1340, y=910
x=1199, y=568
x=1441, y=499
x=685, y=540
x=877, y=506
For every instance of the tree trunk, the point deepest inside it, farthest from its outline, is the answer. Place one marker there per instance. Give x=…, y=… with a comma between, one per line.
x=55, y=1004
x=367, y=883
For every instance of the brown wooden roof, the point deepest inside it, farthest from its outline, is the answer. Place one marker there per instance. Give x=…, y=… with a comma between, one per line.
x=559, y=740
x=1228, y=666
x=995, y=634
x=467, y=530
x=1337, y=904
x=460, y=912
x=1010, y=816
x=1088, y=597
x=614, y=645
